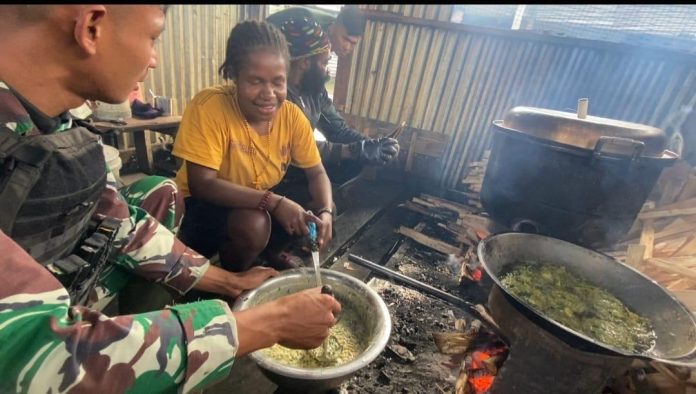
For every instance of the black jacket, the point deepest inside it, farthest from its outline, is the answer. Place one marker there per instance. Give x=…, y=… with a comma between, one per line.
x=322, y=115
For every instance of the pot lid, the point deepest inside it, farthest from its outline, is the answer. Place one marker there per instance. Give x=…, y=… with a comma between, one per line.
x=585, y=131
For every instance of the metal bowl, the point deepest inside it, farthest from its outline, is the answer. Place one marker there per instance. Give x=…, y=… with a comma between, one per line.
x=355, y=298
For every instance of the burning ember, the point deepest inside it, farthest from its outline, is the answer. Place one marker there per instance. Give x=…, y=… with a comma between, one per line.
x=481, y=353
x=471, y=269
x=480, y=368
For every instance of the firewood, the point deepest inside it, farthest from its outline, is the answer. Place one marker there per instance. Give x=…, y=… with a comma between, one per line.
x=432, y=243
x=452, y=342
x=462, y=386
x=441, y=202
x=688, y=249
x=666, y=265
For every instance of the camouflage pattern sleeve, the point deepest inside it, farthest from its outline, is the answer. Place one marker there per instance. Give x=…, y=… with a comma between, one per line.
x=47, y=346
x=147, y=248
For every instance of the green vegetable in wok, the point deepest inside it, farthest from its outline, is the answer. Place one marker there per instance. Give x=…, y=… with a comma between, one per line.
x=579, y=305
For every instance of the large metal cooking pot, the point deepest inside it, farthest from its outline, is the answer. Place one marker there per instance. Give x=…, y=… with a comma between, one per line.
x=674, y=325
x=566, y=179
x=355, y=298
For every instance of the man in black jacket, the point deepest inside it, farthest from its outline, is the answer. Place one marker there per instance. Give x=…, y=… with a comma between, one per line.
x=309, y=52
x=344, y=31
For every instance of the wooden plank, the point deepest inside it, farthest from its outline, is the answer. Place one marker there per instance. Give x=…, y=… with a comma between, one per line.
x=688, y=249
x=423, y=211
x=429, y=147
x=635, y=255
x=654, y=214
x=666, y=265
x=689, y=190
x=462, y=209
x=647, y=238
x=687, y=297
x=367, y=200
x=430, y=242
x=679, y=284
x=376, y=242
x=688, y=203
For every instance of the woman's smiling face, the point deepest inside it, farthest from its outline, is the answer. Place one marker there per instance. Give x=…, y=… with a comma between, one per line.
x=262, y=85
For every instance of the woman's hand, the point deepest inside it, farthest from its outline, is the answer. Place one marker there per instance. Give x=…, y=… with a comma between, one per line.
x=251, y=279
x=324, y=226
x=293, y=217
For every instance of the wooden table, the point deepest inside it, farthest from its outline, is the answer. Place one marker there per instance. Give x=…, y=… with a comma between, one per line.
x=140, y=128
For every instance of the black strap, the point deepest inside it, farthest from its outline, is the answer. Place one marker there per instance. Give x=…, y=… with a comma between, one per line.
x=22, y=164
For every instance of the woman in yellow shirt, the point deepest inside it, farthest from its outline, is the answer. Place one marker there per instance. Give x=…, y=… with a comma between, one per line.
x=237, y=142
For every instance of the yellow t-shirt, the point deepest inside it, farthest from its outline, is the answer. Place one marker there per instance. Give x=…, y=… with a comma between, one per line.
x=213, y=134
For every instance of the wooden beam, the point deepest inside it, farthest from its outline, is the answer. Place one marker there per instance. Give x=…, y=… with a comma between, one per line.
x=432, y=243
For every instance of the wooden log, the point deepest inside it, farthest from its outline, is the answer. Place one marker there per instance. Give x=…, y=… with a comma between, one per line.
x=432, y=243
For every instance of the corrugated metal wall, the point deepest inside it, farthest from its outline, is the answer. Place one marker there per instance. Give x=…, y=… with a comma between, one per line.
x=457, y=82
x=191, y=49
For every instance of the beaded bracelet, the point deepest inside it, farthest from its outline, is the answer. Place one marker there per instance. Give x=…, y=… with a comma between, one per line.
x=263, y=204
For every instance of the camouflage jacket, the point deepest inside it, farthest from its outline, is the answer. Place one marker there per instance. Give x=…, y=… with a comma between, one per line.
x=47, y=346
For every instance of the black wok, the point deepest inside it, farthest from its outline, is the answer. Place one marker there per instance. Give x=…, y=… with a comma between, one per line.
x=674, y=325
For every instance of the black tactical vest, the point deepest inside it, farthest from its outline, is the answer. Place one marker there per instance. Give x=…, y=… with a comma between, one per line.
x=50, y=185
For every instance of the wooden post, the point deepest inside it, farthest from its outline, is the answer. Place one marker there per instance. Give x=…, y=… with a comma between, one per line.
x=143, y=151
x=411, y=151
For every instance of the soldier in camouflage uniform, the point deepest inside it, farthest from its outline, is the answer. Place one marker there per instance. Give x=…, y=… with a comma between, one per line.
x=54, y=58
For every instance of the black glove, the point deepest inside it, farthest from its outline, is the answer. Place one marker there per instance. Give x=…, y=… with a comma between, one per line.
x=374, y=151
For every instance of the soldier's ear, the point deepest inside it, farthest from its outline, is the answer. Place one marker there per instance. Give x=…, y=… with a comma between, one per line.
x=89, y=27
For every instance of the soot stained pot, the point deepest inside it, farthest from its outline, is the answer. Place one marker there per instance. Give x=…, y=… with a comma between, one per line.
x=674, y=325
x=581, y=180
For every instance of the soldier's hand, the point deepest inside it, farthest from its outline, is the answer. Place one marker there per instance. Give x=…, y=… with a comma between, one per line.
x=308, y=317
